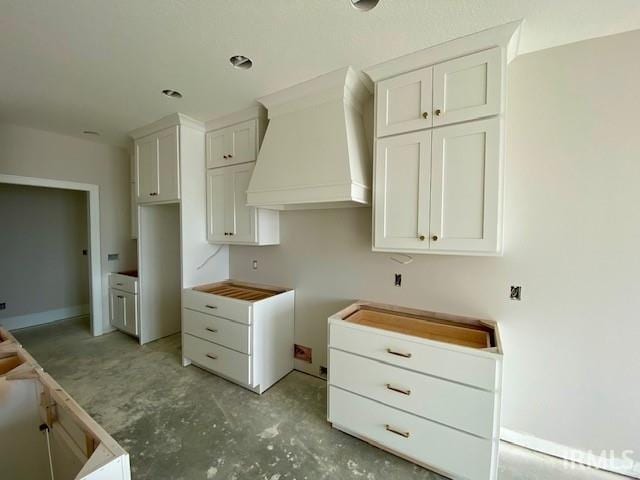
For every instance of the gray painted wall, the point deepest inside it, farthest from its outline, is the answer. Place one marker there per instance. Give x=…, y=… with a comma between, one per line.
x=44, y=231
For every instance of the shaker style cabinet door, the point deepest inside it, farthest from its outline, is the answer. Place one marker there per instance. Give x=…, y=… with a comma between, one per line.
x=243, y=146
x=401, y=191
x=146, y=167
x=117, y=309
x=465, y=187
x=216, y=148
x=232, y=145
x=467, y=88
x=243, y=217
x=404, y=103
x=168, y=165
x=216, y=205
x=130, y=310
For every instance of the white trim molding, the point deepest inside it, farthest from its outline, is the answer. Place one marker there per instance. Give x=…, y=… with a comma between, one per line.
x=506, y=36
x=98, y=295
x=40, y=318
x=166, y=122
x=614, y=461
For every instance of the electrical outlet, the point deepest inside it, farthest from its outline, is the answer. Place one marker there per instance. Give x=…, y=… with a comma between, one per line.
x=515, y=292
x=300, y=352
x=323, y=371
x=3, y=306
x=254, y=264
x=398, y=280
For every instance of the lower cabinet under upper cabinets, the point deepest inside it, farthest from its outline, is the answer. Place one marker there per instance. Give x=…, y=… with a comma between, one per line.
x=422, y=385
x=123, y=303
x=229, y=219
x=239, y=331
x=440, y=190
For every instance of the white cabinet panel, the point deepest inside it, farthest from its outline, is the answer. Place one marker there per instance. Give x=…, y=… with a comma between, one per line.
x=147, y=168
x=168, y=165
x=467, y=88
x=130, y=313
x=216, y=205
x=402, y=178
x=232, y=145
x=216, y=148
x=244, y=218
x=465, y=187
x=116, y=309
x=404, y=103
x=157, y=167
x=243, y=142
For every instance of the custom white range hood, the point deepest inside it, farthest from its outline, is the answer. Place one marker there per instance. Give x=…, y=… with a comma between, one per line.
x=314, y=154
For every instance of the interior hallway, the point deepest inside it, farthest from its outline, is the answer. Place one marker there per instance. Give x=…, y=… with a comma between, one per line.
x=183, y=423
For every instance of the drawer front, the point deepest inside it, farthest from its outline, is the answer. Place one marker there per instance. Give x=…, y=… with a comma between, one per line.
x=445, y=449
x=218, y=330
x=123, y=282
x=216, y=358
x=230, y=308
x=465, y=408
x=440, y=362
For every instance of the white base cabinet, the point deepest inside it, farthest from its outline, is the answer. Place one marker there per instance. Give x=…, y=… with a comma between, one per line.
x=422, y=385
x=239, y=331
x=123, y=303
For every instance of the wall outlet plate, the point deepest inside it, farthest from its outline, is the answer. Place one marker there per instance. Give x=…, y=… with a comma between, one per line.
x=515, y=292
x=254, y=264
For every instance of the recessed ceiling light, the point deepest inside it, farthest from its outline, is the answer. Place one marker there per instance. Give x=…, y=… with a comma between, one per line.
x=364, y=5
x=241, y=62
x=91, y=132
x=172, y=93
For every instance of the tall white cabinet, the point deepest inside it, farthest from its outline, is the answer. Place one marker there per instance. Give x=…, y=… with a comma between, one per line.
x=231, y=153
x=438, y=154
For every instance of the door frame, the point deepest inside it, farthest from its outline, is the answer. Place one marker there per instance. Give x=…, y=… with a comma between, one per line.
x=95, y=267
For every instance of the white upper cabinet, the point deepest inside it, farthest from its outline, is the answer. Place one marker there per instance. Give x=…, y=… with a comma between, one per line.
x=402, y=178
x=229, y=219
x=404, y=103
x=157, y=167
x=465, y=187
x=467, y=88
x=438, y=184
x=232, y=145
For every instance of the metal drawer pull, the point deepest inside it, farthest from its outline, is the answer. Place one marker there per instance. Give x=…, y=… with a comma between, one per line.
x=389, y=428
x=213, y=330
x=212, y=356
x=120, y=284
x=404, y=391
x=120, y=296
x=400, y=354
x=213, y=307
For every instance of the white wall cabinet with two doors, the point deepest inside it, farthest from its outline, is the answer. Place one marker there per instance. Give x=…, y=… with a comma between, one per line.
x=157, y=166
x=231, y=152
x=439, y=157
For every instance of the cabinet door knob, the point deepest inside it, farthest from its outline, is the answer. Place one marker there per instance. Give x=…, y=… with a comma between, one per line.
x=224, y=156
x=421, y=237
x=425, y=114
x=230, y=156
x=434, y=238
x=438, y=112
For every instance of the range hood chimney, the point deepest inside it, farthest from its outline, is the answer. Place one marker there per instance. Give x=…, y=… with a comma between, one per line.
x=314, y=154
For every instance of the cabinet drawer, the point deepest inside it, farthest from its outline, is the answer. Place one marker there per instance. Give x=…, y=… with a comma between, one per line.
x=230, y=308
x=465, y=408
x=442, y=362
x=123, y=282
x=218, y=330
x=445, y=449
x=226, y=362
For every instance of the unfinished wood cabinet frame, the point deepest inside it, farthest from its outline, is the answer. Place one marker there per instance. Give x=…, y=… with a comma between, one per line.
x=95, y=454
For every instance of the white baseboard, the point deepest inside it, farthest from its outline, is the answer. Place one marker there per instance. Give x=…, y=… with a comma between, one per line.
x=576, y=457
x=40, y=318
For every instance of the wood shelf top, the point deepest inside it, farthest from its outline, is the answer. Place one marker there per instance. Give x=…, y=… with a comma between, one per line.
x=429, y=325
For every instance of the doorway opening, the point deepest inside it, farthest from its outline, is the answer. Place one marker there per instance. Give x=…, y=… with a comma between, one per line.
x=92, y=265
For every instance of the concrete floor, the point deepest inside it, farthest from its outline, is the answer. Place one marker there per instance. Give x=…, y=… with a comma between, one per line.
x=184, y=423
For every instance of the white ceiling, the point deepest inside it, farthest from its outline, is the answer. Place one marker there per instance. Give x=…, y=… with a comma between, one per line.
x=74, y=65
